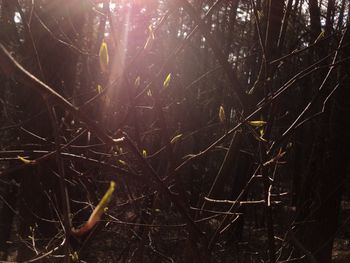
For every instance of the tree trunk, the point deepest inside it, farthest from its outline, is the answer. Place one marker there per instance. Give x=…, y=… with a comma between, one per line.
x=319, y=206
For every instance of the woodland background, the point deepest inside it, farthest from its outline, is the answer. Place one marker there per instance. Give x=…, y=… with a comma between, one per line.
x=224, y=124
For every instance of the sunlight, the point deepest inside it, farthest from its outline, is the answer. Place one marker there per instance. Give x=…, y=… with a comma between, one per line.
x=118, y=41
x=118, y=62
x=17, y=18
x=112, y=6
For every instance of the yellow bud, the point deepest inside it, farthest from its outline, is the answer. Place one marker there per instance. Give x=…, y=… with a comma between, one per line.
x=150, y=39
x=167, y=81
x=99, y=89
x=104, y=57
x=24, y=160
x=137, y=81
x=144, y=153
x=257, y=123
x=222, y=116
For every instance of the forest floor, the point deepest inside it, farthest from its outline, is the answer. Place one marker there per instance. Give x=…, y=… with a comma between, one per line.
x=341, y=251
x=341, y=246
